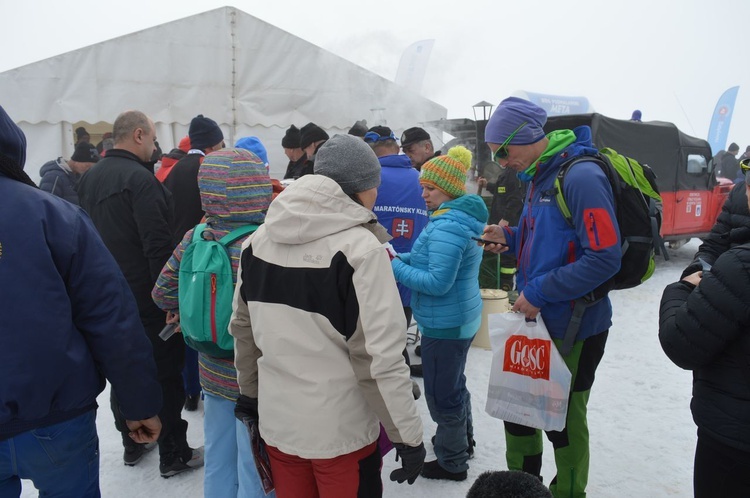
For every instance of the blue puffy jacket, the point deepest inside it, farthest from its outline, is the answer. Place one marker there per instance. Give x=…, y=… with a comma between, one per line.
x=442, y=269
x=558, y=263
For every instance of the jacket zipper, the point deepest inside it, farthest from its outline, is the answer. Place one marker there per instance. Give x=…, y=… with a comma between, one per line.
x=594, y=230
x=213, y=308
x=526, y=243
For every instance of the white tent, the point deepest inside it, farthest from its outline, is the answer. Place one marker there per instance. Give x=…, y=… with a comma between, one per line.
x=249, y=76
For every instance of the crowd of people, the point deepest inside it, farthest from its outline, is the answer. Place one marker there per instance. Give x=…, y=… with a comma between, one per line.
x=371, y=233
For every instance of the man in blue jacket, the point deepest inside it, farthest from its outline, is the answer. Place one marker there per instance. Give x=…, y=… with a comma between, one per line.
x=557, y=264
x=68, y=321
x=399, y=207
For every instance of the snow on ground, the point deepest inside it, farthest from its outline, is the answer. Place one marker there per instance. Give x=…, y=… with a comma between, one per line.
x=642, y=435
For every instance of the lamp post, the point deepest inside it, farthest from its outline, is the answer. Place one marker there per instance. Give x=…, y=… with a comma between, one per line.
x=482, y=111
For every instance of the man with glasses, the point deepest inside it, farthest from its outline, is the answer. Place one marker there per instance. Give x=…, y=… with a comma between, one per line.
x=732, y=227
x=417, y=145
x=557, y=263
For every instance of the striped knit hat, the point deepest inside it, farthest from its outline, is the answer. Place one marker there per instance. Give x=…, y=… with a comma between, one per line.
x=234, y=186
x=448, y=173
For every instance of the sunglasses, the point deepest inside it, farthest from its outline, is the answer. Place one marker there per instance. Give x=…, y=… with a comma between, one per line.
x=372, y=137
x=502, y=151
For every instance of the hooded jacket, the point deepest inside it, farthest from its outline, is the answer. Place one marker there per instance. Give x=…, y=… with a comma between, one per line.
x=58, y=179
x=67, y=320
x=400, y=207
x=232, y=197
x=443, y=267
x=706, y=329
x=319, y=329
x=558, y=263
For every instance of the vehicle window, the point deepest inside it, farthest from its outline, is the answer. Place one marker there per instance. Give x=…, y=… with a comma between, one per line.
x=696, y=164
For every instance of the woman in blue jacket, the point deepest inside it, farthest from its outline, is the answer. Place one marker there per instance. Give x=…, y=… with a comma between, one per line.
x=442, y=272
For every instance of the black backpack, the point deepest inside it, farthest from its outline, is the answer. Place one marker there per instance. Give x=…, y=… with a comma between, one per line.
x=636, y=202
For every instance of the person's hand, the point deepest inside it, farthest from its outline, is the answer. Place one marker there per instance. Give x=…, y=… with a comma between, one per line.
x=481, y=181
x=694, y=278
x=494, y=233
x=144, y=431
x=246, y=408
x=412, y=461
x=174, y=317
x=523, y=306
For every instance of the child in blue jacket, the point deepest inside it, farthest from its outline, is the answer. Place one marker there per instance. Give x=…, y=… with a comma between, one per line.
x=442, y=271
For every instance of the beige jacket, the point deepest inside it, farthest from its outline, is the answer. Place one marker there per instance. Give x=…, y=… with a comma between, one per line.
x=319, y=328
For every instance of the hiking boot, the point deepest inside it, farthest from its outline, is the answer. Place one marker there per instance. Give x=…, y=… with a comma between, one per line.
x=191, y=402
x=433, y=470
x=134, y=453
x=416, y=370
x=179, y=466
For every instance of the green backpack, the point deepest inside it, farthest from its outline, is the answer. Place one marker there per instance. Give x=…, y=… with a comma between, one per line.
x=206, y=291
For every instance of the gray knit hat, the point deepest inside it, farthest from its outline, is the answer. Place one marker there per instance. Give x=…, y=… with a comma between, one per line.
x=350, y=162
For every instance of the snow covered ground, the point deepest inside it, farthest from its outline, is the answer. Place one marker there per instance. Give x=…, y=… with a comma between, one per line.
x=642, y=434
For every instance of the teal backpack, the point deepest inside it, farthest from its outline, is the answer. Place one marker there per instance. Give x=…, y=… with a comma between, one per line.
x=206, y=291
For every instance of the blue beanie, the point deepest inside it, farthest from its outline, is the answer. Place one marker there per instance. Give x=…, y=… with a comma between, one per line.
x=509, y=115
x=12, y=139
x=254, y=145
x=204, y=133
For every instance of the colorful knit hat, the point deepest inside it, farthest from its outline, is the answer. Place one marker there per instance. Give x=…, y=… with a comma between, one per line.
x=234, y=186
x=448, y=173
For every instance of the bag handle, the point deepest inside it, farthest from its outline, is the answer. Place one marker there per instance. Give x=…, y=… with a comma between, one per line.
x=236, y=234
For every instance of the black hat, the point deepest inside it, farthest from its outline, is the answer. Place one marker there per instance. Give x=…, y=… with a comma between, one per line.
x=85, y=153
x=204, y=133
x=81, y=132
x=413, y=135
x=291, y=138
x=311, y=133
x=359, y=128
x=378, y=134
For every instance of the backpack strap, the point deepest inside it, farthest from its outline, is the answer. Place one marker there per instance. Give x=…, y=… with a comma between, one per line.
x=237, y=234
x=198, y=231
x=560, y=182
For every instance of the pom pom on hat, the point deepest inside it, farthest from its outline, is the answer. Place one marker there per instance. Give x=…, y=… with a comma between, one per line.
x=447, y=173
x=291, y=138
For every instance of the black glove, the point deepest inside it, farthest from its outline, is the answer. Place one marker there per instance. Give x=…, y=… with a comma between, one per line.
x=412, y=461
x=246, y=408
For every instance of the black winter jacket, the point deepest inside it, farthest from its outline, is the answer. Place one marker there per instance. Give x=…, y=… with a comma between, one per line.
x=182, y=182
x=134, y=215
x=731, y=229
x=707, y=330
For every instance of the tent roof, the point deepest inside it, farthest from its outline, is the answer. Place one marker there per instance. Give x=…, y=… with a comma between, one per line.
x=223, y=63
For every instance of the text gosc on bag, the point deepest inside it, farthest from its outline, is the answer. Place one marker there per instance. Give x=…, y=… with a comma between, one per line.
x=529, y=381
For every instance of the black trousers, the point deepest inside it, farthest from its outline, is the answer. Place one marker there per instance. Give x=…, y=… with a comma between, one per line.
x=170, y=358
x=720, y=470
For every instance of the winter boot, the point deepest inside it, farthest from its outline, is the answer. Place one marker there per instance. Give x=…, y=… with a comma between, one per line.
x=178, y=465
x=433, y=470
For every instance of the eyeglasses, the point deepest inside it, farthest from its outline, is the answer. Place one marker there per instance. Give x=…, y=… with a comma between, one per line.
x=502, y=151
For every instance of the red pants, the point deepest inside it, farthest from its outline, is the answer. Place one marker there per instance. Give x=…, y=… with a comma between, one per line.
x=355, y=475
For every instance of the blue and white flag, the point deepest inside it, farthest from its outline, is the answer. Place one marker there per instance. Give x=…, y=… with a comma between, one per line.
x=413, y=65
x=721, y=119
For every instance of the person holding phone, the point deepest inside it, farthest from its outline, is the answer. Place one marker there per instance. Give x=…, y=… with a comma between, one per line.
x=704, y=326
x=442, y=272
